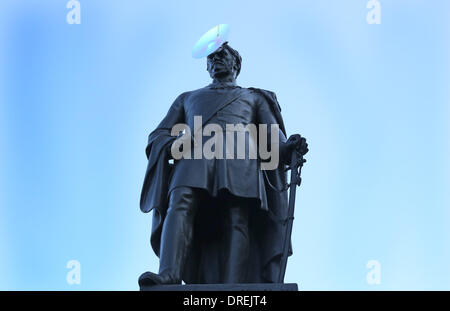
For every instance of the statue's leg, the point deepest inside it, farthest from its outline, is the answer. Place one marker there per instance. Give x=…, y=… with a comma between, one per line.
x=236, y=241
x=177, y=231
x=176, y=237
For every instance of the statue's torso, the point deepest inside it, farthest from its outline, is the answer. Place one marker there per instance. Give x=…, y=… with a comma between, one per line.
x=241, y=177
x=201, y=102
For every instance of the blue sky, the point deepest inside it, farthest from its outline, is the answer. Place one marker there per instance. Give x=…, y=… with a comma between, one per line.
x=78, y=101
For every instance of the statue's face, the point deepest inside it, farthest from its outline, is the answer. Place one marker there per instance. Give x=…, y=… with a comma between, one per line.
x=221, y=63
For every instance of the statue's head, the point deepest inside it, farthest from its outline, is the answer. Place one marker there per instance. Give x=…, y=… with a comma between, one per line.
x=225, y=61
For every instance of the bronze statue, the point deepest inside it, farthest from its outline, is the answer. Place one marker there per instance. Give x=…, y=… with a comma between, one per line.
x=222, y=219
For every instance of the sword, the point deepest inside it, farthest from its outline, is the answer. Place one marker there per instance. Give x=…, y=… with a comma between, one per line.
x=296, y=168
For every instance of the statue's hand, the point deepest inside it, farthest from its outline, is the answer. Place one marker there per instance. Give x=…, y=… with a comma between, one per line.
x=169, y=151
x=295, y=143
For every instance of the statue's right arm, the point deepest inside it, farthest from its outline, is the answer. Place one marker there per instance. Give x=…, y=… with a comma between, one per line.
x=175, y=114
x=162, y=132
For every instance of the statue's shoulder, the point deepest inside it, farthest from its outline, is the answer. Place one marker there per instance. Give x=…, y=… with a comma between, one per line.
x=194, y=92
x=184, y=97
x=180, y=98
x=271, y=98
x=268, y=95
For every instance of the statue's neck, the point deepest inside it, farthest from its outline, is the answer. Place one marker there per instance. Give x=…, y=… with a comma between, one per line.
x=226, y=79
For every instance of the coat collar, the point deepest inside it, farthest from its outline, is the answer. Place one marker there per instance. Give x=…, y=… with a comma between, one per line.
x=223, y=85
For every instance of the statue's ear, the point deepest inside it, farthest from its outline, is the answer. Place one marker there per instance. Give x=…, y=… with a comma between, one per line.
x=235, y=68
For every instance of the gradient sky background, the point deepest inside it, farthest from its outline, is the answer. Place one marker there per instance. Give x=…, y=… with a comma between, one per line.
x=77, y=103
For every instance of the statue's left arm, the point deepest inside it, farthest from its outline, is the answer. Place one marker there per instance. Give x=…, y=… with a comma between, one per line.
x=269, y=112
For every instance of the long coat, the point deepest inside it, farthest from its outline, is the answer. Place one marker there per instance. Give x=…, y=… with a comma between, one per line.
x=266, y=227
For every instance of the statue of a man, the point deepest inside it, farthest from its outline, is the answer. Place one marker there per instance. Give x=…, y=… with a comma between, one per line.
x=219, y=219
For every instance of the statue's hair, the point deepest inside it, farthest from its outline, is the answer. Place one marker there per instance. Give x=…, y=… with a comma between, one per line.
x=237, y=57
